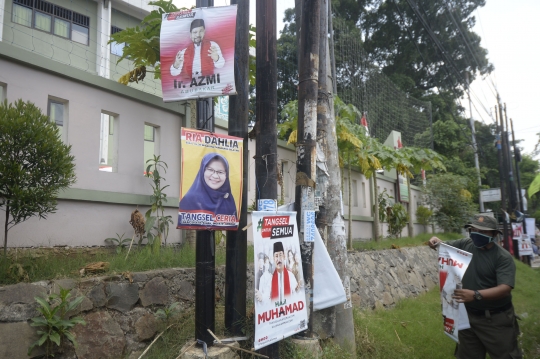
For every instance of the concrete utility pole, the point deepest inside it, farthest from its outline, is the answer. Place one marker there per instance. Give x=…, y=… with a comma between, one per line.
x=236, y=248
x=508, y=160
x=336, y=241
x=475, y=147
x=266, y=114
x=306, y=148
x=517, y=159
x=502, y=172
x=512, y=187
x=324, y=321
x=509, y=173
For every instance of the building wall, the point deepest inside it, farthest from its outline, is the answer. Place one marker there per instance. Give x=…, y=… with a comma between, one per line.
x=99, y=204
x=54, y=47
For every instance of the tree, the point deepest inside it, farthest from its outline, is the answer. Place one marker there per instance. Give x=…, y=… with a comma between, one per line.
x=34, y=164
x=395, y=37
x=529, y=169
x=450, y=201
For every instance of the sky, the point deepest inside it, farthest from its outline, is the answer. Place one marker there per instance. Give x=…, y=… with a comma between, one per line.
x=510, y=31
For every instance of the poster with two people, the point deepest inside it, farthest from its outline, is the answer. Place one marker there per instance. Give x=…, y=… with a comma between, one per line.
x=197, y=53
x=280, y=299
x=211, y=181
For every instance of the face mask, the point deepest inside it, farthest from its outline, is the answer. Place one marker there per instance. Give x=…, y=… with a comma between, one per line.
x=480, y=240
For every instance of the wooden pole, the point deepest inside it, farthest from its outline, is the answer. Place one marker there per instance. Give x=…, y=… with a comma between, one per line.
x=266, y=114
x=236, y=247
x=306, y=148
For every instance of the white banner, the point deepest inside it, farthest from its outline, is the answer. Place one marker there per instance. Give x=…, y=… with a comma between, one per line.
x=530, y=224
x=280, y=300
x=453, y=263
x=525, y=246
x=197, y=53
x=328, y=289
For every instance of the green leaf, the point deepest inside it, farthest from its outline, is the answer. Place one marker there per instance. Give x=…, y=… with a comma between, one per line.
x=534, y=187
x=75, y=303
x=38, y=322
x=42, y=339
x=71, y=338
x=149, y=223
x=55, y=338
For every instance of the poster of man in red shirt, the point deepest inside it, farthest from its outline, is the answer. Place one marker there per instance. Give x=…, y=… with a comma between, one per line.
x=197, y=53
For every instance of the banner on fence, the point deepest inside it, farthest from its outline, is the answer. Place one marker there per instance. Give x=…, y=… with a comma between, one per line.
x=280, y=300
x=453, y=263
x=211, y=181
x=197, y=53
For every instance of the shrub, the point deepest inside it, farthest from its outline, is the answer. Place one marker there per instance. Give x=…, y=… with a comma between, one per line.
x=34, y=164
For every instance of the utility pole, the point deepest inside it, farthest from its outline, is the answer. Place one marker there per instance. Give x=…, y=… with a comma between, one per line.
x=517, y=159
x=306, y=148
x=336, y=241
x=324, y=321
x=513, y=195
x=266, y=114
x=236, y=247
x=475, y=147
x=205, y=253
x=501, y=179
x=508, y=166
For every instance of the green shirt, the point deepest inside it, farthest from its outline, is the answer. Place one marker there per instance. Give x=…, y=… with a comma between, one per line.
x=488, y=269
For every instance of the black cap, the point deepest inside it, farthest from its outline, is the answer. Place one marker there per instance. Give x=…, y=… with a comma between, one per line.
x=196, y=23
x=278, y=247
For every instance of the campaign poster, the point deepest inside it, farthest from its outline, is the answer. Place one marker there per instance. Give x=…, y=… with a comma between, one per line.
x=197, y=53
x=280, y=300
x=517, y=231
x=525, y=246
x=211, y=181
x=453, y=263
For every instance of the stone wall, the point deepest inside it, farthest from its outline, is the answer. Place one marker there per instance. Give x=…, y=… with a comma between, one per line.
x=119, y=310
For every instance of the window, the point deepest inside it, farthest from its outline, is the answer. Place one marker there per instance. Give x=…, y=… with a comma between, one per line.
x=45, y=16
x=22, y=15
x=56, y=112
x=364, y=200
x=354, y=190
x=116, y=48
x=3, y=91
x=150, y=139
x=108, y=143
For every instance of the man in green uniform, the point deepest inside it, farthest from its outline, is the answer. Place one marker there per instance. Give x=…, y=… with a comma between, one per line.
x=487, y=286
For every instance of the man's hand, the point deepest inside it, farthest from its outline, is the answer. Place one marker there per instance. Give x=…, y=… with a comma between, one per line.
x=434, y=242
x=463, y=295
x=179, y=61
x=213, y=53
x=258, y=295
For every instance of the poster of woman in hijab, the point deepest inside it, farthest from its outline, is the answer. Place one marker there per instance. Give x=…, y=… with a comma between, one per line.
x=197, y=53
x=211, y=181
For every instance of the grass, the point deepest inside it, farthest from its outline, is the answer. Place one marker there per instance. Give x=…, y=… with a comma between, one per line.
x=403, y=242
x=413, y=329
x=38, y=265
